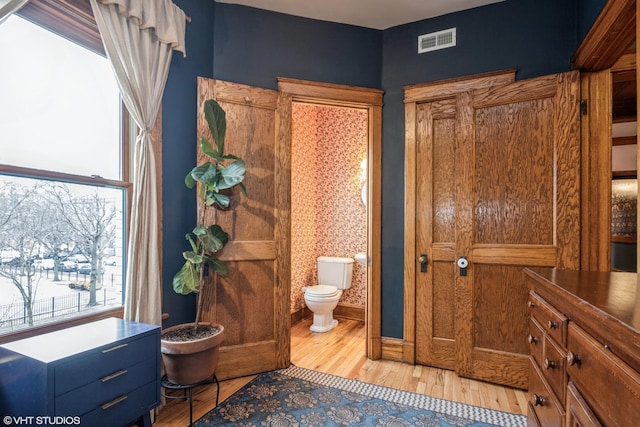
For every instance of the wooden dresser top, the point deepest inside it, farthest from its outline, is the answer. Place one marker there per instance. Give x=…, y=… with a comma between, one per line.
x=605, y=304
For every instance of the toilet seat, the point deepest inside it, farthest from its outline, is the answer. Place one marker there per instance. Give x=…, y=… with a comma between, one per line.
x=322, y=291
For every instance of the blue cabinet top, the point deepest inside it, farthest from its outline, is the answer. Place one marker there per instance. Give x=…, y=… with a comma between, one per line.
x=64, y=343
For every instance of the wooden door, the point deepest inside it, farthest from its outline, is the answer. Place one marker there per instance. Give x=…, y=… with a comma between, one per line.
x=253, y=302
x=435, y=232
x=493, y=174
x=431, y=121
x=517, y=205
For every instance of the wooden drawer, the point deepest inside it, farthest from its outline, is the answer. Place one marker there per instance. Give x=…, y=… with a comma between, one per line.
x=553, y=368
x=532, y=418
x=552, y=321
x=118, y=411
x=89, y=397
x=609, y=386
x=548, y=410
x=536, y=340
x=578, y=412
x=102, y=362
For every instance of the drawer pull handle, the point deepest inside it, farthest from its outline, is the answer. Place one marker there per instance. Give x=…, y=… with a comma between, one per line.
x=549, y=364
x=553, y=324
x=573, y=359
x=537, y=400
x=114, y=375
x=531, y=304
x=118, y=347
x=532, y=339
x=113, y=402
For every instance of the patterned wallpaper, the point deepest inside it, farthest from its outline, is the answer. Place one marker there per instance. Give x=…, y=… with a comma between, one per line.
x=327, y=214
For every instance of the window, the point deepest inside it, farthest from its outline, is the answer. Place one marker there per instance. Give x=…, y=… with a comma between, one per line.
x=63, y=171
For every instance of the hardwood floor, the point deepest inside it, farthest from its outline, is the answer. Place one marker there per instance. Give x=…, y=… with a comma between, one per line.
x=342, y=352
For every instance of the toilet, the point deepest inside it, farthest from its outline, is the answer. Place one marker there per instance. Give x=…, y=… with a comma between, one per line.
x=334, y=275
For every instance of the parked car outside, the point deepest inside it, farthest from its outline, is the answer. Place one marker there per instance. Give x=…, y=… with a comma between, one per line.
x=112, y=260
x=68, y=266
x=85, y=268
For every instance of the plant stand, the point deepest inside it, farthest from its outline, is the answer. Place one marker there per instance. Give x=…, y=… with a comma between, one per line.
x=188, y=391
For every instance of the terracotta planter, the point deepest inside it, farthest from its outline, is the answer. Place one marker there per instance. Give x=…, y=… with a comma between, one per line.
x=189, y=362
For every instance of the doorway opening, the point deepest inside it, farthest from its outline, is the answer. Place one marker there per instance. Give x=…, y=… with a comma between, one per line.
x=335, y=150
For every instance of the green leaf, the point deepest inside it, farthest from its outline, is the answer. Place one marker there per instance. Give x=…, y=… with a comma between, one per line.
x=214, y=239
x=206, y=173
x=192, y=257
x=217, y=265
x=207, y=149
x=186, y=280
x=216, y=119
x=232, y=174
x=189, y=181
x=220, y=199
x=244, y=190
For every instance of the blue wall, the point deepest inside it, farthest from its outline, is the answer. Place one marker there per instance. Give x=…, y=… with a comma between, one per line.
x=588, y=11
x=179, y=149
x=536, y=37
x=252, y=46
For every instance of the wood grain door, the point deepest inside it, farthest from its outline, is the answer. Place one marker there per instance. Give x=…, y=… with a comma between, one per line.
x=435, y=232
x=517, y=205
x=430, y=221
x=253, y=302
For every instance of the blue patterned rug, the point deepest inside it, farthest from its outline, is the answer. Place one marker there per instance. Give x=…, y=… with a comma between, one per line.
x=301, y=397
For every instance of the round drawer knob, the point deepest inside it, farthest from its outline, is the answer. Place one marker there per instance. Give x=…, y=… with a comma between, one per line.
x=573, y=359
x=553, y=324
x=537, y=400
x=549, y=364
x=532, y=339
x=531, y=304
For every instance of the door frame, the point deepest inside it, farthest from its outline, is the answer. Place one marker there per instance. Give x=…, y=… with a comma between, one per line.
x=371, y=100
x=415, y=94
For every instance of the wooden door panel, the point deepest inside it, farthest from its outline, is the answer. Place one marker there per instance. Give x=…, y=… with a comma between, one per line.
x=514, y=174
x=435, y=227
x=252, y=302
x=517, y=206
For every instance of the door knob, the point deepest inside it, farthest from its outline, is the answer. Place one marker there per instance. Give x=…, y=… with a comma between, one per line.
x=463, y=263
x=423, y=263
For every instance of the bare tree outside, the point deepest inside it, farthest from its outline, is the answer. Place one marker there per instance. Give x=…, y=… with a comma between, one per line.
x=91, y=219
x=21, y=225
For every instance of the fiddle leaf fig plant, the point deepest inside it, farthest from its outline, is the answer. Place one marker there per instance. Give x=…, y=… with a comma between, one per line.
x=216, y=178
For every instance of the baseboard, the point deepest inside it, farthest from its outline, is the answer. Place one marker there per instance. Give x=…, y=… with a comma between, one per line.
x=392, y=349
x=345, y=311
x=299, y=315
x=350, y=311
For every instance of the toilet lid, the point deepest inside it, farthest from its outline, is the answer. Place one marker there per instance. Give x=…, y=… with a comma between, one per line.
x=322, y=291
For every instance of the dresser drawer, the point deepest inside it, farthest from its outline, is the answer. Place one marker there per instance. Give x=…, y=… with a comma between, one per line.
x=548, y=411
x=87, y=398
x=99, y=363
x=608, y=385
x=536, y=341
x=553, y=368
x=552, y=321
x=118, y=411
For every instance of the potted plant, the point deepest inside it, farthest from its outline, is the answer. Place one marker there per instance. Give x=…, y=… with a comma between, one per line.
x=190, y=351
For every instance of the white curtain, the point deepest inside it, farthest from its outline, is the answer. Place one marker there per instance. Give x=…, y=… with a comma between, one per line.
x=139, y=37
x=7, y=7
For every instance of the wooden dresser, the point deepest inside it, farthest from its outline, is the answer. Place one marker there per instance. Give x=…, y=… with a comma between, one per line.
x=585, y=348
x=104, y=373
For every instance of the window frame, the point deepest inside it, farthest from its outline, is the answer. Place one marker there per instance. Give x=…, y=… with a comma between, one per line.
x=74, y=20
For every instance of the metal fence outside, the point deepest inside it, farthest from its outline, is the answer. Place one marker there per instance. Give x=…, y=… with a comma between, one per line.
x=15, y=314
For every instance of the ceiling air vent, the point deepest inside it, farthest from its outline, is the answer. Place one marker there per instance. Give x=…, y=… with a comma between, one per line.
x=438, y=40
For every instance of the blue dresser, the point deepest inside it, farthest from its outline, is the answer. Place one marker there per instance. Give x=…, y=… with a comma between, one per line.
x=104, y=373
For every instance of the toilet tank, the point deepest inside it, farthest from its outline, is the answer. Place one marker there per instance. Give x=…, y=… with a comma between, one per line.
x=335, y=271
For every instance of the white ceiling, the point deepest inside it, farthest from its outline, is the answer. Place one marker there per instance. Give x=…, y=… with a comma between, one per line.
x=378, y=14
